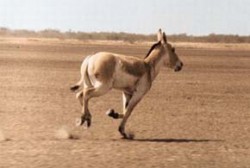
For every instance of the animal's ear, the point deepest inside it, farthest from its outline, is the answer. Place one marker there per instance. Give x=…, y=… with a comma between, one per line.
x=164, y=38
x=159, y=35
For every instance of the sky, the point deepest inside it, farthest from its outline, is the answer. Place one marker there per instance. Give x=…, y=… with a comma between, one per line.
x=193, y=17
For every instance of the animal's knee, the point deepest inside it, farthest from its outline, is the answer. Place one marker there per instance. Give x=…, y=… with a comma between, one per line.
x=79, y=95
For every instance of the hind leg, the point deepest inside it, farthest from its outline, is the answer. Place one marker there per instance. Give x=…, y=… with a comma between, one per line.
x=79, y=96
x=85, y=96
x=86, y=116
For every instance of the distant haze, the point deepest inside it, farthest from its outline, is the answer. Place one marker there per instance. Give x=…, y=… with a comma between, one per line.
x=195, y=17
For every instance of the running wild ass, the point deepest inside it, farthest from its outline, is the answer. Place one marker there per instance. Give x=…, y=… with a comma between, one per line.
x=133, y=76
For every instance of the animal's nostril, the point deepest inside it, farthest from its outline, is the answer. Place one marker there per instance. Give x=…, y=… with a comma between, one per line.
x=178, y=68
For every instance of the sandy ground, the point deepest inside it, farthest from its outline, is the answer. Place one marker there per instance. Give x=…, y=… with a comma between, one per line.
x=199, y=117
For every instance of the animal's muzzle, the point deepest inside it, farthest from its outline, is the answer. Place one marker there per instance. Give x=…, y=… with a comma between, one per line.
x=178, y=67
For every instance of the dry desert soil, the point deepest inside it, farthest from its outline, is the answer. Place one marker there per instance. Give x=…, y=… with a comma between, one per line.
x=196, y=118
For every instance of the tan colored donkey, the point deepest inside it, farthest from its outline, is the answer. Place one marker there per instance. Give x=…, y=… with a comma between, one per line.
x=133, y=76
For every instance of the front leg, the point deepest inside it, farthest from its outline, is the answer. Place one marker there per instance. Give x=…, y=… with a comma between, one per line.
x=111, y=112
x=128, y=108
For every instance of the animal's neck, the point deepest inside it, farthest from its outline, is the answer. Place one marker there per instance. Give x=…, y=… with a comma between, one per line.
x=155, y=60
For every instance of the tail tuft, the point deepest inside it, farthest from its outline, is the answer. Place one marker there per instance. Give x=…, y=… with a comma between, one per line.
x=74, y=88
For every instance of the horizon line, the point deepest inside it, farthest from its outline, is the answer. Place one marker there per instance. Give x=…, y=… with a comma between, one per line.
x=117, y=32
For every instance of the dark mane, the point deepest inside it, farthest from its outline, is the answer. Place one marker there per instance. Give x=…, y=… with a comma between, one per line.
x=152, y=48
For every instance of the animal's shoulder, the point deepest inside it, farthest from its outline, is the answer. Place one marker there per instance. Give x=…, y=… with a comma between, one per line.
x=133, y=65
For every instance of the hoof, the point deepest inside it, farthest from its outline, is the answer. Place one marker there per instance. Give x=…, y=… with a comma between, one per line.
x=88, y=122
x=79, y=122
x=123, y=134
x=128, y=137
x=112, y=113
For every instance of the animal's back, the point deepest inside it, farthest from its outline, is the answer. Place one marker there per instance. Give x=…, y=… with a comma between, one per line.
x=101, y=66
x=123, y=71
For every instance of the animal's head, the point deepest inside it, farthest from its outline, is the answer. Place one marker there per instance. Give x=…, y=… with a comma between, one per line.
x=171, y=58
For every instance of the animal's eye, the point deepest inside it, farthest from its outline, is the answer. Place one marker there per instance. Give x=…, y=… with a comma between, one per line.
x=173, y=49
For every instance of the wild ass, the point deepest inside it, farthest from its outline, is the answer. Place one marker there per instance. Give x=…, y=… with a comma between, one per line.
x=133, y=76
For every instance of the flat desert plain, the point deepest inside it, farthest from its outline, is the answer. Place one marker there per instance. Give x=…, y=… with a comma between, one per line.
x=199, y=117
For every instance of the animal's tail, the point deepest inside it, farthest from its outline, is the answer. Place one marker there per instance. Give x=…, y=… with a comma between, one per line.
x=84, y=76
x=76, y=86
